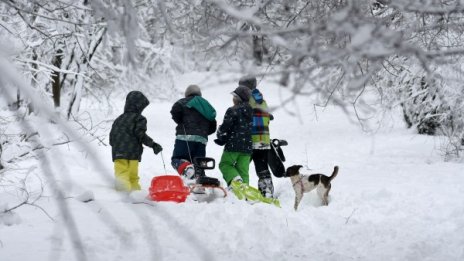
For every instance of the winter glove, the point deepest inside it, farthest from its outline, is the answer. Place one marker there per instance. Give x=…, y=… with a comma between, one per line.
x=157, y=148
x=219, y=142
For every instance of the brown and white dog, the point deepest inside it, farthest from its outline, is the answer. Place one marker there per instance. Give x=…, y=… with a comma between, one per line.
x=304, y=183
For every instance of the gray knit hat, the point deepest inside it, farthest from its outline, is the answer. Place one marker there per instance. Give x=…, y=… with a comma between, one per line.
x=248, y=81
x=192, y=90
x=243, y=93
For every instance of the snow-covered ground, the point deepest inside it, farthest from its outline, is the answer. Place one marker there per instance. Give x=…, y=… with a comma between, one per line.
x=394, y=198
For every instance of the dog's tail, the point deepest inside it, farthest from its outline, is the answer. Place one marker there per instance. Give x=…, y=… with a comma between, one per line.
x=334, y=173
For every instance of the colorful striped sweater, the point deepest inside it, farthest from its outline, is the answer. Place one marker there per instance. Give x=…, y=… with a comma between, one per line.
x=261, y=118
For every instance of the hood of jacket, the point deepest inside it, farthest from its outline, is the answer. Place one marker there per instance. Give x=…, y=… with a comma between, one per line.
x=203, y=107
x=135, y=102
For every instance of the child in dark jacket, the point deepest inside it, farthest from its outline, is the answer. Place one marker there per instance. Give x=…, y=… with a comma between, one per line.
x=127, y=135
x=235, y=134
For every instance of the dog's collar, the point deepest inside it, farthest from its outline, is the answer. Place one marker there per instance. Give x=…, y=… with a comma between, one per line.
x=300, y=180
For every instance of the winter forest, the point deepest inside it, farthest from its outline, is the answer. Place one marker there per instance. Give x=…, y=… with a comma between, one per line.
x=372, y=86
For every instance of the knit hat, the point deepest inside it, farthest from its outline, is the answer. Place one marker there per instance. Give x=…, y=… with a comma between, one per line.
x=243, y=93
x=192, y=90
x=248, y=81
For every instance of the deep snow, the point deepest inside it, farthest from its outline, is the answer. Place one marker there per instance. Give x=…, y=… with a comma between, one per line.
x=394, y=198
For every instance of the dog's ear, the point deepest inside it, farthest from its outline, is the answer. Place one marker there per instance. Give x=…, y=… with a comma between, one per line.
x=293, y=170
x=288, y=171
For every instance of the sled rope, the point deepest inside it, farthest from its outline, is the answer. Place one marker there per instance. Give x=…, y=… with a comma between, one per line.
x=188, y=147
x=164, y=165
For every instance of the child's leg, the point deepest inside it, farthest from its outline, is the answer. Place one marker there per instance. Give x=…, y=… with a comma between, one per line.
x=198, y=150
x=122, y=173
x=180, y=156
x=260, y=158
x=242, y=166
x=227, y=166
x=134, y=174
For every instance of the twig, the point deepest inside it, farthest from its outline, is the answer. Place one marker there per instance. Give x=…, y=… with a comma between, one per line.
x=349, y=217
x=15, y=207
x=50, y=67
x=43, y=210
x=39, y=147
x=89, y=130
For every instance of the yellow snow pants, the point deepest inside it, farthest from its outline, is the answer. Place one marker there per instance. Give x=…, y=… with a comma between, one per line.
x=127, y=174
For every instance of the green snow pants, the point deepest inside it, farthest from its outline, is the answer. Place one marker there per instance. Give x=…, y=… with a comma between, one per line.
x=235, y=164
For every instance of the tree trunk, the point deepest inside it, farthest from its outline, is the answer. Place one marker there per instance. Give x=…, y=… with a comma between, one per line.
x=1, y=166
x=34, y=65
x=18, y=100
x=258, y=49
x=78, y=87
x=56, y=83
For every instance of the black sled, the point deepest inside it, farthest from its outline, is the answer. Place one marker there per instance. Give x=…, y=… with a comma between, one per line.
x=276, y=158
x=204, y=182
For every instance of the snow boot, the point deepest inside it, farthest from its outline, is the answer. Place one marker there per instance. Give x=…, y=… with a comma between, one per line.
x=189, y=171
x=266, y=187
x=186, y=170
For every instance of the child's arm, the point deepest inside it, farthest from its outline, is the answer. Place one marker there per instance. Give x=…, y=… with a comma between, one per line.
x=176, y=113
x=140, y=131
x=212, y=127
x=226, y=125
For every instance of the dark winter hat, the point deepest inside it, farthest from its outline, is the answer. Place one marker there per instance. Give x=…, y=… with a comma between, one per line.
x=243, y=93
x=248, y=81
x=192, y=90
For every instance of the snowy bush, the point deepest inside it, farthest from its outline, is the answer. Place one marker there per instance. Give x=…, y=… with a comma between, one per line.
x=436, y=110
x=432, y=102
x=422, y=106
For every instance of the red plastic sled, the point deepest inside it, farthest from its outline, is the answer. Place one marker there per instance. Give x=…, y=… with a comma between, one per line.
x=168, y=188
